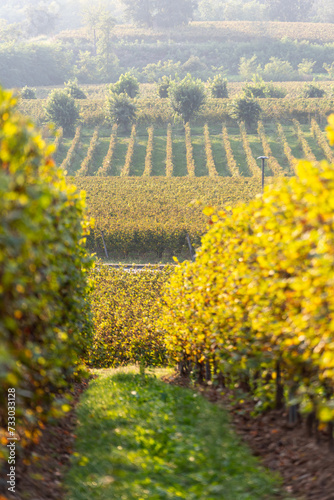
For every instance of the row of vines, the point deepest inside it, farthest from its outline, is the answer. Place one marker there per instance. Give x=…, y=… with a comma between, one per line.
x=224, y=153
x=256, y=307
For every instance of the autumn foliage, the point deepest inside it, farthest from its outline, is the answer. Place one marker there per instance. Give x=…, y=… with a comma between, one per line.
x=45, y=322
x=258, y=301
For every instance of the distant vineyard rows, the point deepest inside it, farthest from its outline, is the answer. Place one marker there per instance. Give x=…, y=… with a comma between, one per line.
x=152, y=110
x=211, y=150
x=150, y=217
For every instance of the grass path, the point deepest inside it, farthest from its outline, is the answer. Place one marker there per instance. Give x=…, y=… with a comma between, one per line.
x=139, y=438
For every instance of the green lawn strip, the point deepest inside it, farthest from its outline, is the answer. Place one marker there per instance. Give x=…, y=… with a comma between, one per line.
x=292, y=140
x=179, y=155
x=257, y=150
x=80, y=151
x=159, y=155
x=276, y=146
x=238, y=151
x=100, y=153
x=139, y=438
x=120, y=154
x=219, y=154
x=139, y=153
x=316, y=149
x=197, y=141
x=60, y=154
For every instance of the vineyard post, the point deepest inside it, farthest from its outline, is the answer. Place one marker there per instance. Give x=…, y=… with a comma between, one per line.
x=263, y=158
x=191, y=250
x=104, y=244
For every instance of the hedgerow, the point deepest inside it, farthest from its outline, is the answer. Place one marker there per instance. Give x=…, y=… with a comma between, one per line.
x=257, y=304
x=45, y=324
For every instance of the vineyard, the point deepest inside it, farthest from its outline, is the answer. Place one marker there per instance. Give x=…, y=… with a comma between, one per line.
x=149, y=218
x=196, y=151
x=238, y=296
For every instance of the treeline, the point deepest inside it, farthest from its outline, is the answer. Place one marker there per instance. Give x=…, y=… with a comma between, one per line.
x=53, y=62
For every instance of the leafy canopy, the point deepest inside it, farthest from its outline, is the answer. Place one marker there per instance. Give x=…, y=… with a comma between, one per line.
x=186, y=97
x=62, y=110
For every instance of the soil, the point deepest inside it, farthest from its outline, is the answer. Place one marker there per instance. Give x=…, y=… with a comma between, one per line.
x=306, y=463
x=42, y=478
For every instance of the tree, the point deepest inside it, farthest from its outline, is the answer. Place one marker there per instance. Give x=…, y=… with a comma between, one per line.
x=62, y=110
x=27, y=93
x=101, y=23
x=245, y=109
x=186, y=97
x=160, y=13
x=140, y=11
x=310, y=91
x=170, y=13
x=127, y=84
x=163, y=86
x=218, y=87
x=120, y=109
x=287, y=10
x=73, y=89
x=41, y=19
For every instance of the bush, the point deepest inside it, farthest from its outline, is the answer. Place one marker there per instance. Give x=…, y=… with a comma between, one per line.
x=278, y=70
x=186, y=97
x=120, y=109
x=127, y=84
x=62, y=110
x=27, y=93
x=163, y=87
x=218, y=87
x=245, y=109
x=259, y=89
x=310, y=90
x=73, y=89
x=45, y=325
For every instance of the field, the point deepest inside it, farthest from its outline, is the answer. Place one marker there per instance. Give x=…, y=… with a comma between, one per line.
x=148, y=219
x=146, y=188
x=231, y=30
x=173, y=152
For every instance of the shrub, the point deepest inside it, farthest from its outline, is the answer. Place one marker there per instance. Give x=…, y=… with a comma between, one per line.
x=186, y=97
x=62, y=110
x=127, y=84
x=245, y=109
x=163, y=86
x=73, y=89
x=305, y=68
x=120, y=109
x=248, y=67
x=27, y=93
x=259, y=89
x=218, y=87
x=45, y=324
x=278, y=70
x=310, y=90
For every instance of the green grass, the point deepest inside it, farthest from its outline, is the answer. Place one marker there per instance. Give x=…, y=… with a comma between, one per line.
x=238, y=151
x=179, y=149
x=179, y=155
x=141, y=439
x=139, y=153
x=120, y=154
x=159, y=155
